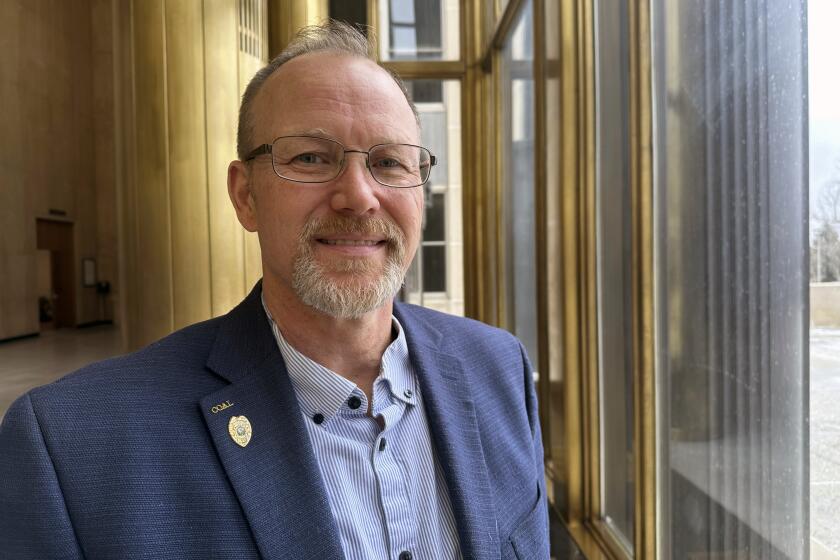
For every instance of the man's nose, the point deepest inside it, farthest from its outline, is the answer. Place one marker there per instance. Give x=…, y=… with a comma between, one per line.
x=355, y=190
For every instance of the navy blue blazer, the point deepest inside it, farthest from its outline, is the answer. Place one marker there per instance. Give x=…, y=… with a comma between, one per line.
x=126, y=458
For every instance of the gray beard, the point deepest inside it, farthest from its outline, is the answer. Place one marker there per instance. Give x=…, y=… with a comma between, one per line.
x=365, y=288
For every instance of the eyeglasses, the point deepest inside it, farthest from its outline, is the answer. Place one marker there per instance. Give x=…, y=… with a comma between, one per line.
x=309, y=159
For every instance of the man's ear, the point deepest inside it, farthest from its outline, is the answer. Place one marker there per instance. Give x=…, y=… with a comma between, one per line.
x=241, y=195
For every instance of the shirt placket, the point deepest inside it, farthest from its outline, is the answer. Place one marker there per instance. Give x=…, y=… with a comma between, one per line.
x=400, y=522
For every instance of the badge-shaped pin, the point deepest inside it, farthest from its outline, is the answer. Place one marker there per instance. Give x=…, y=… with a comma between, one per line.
x=239, y=429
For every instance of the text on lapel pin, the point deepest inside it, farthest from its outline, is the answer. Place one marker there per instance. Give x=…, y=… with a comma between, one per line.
x=221, y=406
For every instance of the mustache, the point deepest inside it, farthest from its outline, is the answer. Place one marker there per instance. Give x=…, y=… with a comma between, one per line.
x=317, y=227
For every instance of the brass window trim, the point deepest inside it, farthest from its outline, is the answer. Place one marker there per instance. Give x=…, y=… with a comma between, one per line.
x=643, y=289
x=423, y=69
x=498, y=184
x=576, y=295
x=480, y=198
x=543, y=248
x=501, y=32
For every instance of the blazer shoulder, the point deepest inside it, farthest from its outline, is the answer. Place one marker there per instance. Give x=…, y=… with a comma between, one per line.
x=458, y=334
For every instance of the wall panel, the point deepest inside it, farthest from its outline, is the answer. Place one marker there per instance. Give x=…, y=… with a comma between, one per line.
x=17, y=239
x=253, y=22
x=286, y=17
x=187, y=162
x=221, y=80
x=152, y=236
x=83, y=192
x=104, y=152
x=186, y=257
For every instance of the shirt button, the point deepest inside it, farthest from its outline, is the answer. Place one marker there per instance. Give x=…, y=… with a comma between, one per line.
x=318, y=418
x=408, y=394
x=382, y=444
x=354, y=402
x=405, y=555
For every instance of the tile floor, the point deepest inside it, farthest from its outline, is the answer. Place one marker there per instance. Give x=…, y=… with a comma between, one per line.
x=30, y=362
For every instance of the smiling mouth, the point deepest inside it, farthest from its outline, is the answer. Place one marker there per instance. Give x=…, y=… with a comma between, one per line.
x=352, y=242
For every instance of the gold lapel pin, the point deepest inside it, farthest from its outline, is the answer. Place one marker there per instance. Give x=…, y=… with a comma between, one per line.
x=239, y=429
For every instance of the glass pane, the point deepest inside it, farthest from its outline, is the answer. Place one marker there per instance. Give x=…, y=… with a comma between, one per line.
x=350, y=11
x=435, y=219
x=419, y=29
x=517, y=84
x=614, y=273
x=425, y=91
x=824, y=142
x=435, y=136
x=439, y=104
x=434, y=268
x=731, y=155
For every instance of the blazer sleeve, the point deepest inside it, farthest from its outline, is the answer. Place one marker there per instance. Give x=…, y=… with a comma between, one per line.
x=34, y=521
x=533, y=414
x=530, y=539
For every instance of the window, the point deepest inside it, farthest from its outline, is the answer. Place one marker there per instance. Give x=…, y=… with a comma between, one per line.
x=615, y=329
x=518, y=181
x=730, y=193
x=419, y=29
x=434, y=245
x=253, y=28
x=435, y=278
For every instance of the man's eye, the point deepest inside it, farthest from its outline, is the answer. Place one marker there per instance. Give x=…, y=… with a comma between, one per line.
x=308, y=158
x=388, y=162
x=393, y=164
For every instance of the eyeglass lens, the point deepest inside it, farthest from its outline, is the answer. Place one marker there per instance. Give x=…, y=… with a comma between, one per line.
x=317, y=160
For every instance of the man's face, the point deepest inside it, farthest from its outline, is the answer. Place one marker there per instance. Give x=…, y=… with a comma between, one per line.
x=343, y=246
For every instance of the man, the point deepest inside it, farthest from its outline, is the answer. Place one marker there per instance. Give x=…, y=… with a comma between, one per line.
x=318, y=419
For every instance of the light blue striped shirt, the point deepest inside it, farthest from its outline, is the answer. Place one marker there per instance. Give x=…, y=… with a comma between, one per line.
x=385, y=485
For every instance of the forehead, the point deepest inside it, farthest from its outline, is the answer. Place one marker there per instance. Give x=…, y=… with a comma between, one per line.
x=349, y=97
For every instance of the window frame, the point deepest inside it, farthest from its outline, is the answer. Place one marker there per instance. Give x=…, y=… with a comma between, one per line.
x=567, y=278
x=567, y=268
x=444, y=70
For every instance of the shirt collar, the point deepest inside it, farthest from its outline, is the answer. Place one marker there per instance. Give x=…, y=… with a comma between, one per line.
x=396, y=368
x=321, y=390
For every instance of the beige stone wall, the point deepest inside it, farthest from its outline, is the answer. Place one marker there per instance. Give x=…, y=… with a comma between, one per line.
x=50, y=147
x=825, y=305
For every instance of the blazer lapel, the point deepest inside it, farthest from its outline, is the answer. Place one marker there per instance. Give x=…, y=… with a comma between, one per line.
x=452, y=420
x=275, y=476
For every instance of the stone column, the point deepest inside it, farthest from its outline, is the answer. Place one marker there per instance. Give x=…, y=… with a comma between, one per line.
x=286, y=17
x=180, y=69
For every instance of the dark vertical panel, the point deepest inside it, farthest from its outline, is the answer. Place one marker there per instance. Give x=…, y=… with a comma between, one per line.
x=734, y=153
x=429, y=40
x=350, y=11
x=787, y=237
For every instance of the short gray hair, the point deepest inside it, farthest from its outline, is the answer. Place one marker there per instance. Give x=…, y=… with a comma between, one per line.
x=332, y=35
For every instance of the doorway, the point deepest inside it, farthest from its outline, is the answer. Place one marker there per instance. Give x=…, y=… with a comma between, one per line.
x=58, y=307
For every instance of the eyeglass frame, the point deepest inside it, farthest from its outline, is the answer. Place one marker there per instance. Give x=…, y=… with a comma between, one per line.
x=266, y=149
